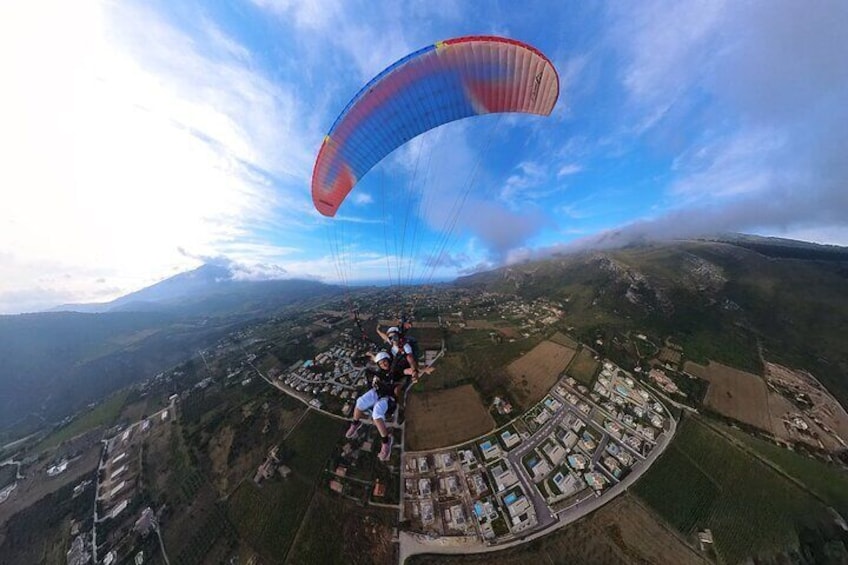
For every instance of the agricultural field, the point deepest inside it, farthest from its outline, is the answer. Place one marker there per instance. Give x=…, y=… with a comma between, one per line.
x=267, y=518
x=37, y=484
x=428, y=338
x=335, y=530
x=752, y=510
x=213, y=538
x=309, y=446
x=102, y=415
x=474, y=357
x=734, y=393
x=622, y=531
x=191, y=507
x=583, y=367
x=781, y=410
x=7, y=475
x=821, y=403
x=670, y=356
x=202, y=524
x=445, y=417
x=500, y=326
x=701, y=490
x=533, y=374
x=561, y=339
x=41, y=532
x=827, y=481
x=232, y=447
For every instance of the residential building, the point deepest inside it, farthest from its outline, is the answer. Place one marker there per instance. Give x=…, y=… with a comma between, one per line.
x=553, y=450
x=503, y=476
x=490, y=450
x=510, y=439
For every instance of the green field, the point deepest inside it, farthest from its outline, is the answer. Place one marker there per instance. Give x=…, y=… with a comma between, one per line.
x=475, y=359
x=338, y=531
x=104, y=414
x=7, y=475
x=310, y=445
x=583, y=367
x=40, y=533
x=701, y=491
x=267, y=518
x=563, y=339
x=828, y=482
x=704, y=481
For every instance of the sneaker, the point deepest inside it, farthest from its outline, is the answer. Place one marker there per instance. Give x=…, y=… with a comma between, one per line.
x=386, y=450
x=354, y=427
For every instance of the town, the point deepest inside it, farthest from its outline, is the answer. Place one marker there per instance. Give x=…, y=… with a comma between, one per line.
x=589, y=431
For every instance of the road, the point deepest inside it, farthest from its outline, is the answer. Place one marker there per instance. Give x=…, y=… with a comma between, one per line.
x=544, y=517
x=412, y=544
x=282, y=388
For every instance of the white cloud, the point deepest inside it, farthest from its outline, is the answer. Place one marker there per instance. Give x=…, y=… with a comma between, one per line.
x=728, y=167
x=127, y=138
x=361, y=198
x=308, y=14
x=747, y=100
x=569, y=169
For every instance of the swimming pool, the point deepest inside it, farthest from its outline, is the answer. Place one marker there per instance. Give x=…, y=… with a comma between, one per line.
x=510, y=498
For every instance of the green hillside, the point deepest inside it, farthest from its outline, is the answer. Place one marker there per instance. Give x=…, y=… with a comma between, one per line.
x=718, y=300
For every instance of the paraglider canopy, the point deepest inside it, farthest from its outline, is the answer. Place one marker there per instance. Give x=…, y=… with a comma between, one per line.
x=451, y=80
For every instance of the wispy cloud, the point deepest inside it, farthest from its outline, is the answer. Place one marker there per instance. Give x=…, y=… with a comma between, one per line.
x=568, y=170
x=746, y=100
x=156, y=138
x=360, y=198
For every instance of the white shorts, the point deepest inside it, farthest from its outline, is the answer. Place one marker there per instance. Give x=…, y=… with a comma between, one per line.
x=371, y=399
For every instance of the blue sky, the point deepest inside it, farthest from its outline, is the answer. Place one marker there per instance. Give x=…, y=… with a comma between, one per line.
x=141, y=139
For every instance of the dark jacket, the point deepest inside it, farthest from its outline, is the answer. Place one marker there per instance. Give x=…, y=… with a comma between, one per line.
x=384, y=382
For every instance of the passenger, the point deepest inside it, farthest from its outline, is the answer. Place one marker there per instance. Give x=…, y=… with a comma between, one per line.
x=403, y=352
x=387, y=384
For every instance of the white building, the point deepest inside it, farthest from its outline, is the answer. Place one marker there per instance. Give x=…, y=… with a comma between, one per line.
x=503, y=476
x=510, y=439
x=554, y=451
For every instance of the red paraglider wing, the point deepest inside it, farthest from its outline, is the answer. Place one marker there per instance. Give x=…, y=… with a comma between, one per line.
x=448, y=81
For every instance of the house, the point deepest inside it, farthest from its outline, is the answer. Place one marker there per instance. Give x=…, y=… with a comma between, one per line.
x=510, y=439
x=543, y=417
x=540, y=468
x=554, y=451
x=567, y=483
x=503, y=476
x=552, y=404
x=490, y=450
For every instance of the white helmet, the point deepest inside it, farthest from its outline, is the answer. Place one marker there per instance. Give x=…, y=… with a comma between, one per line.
x=393, y=330
x=382, y=356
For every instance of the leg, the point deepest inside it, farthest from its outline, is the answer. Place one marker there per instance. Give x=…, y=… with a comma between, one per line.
x=380, y=408
x=381, y=427
x=363, y=403
x=380, y=421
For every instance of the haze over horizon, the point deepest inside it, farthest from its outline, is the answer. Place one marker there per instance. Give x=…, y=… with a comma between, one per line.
x=143, y=139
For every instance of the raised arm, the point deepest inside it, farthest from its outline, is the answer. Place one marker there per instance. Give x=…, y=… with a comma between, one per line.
x=383, y=336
